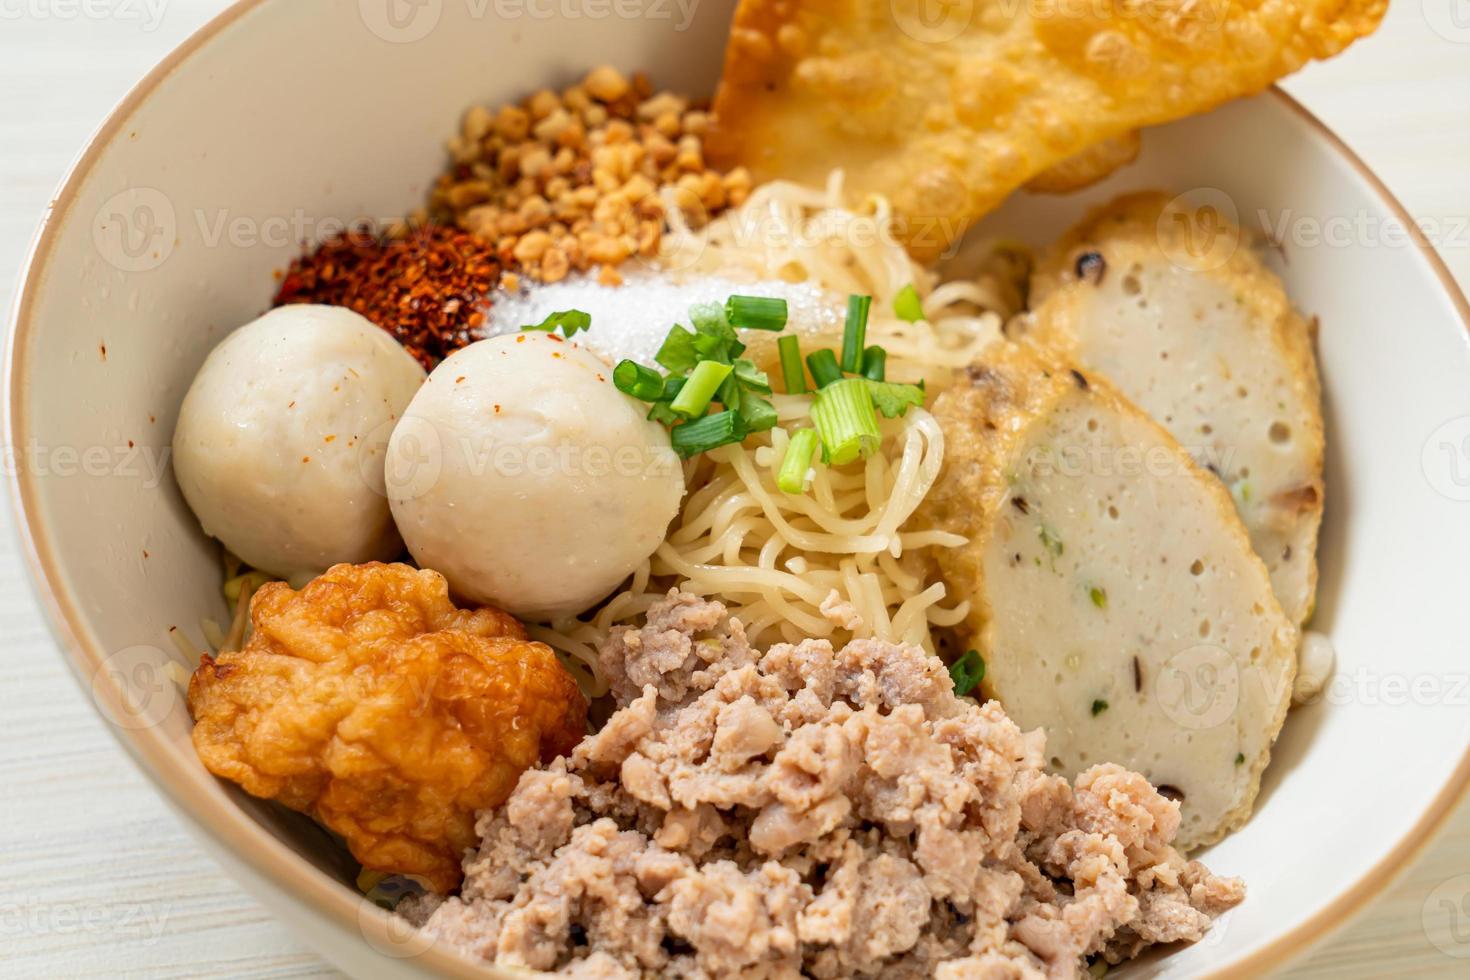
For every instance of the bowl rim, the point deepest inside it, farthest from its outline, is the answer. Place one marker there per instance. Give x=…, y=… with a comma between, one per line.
x=276, y=863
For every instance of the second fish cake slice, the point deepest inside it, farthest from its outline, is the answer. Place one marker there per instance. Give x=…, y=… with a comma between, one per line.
x=1189, y=325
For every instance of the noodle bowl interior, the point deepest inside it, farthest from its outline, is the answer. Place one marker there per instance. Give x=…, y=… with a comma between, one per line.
x=722, y=593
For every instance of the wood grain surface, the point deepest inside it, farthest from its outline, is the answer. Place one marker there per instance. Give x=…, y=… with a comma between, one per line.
x=99, y=878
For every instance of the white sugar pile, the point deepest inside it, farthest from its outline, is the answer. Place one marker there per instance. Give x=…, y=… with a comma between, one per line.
x=632, y=320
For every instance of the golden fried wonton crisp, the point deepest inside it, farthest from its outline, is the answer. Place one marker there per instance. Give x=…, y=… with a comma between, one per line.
x=946, y=106
x=1097, y=162
x=370, y=702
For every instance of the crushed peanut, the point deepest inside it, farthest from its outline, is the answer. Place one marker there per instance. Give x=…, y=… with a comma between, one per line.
x=571, y=181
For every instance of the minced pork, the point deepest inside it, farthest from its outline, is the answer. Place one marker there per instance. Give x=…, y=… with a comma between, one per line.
x=812, y=812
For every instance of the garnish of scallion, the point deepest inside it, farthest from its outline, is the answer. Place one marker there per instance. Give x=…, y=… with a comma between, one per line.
x=967, y=672
x=791, y=477
x=705, y=366
x=643, y=383
x=694, y=398
x=907, y=306
x=847, y=421
x=569, y=321
x=855, y=333
x=823, y=364
x=875, y=363
x=756, y=312
x=792, y=373
x=710, y=432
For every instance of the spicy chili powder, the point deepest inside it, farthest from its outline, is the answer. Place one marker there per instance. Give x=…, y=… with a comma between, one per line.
x=429, y=288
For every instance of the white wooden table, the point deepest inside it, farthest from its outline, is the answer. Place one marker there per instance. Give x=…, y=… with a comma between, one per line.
x=97, y=878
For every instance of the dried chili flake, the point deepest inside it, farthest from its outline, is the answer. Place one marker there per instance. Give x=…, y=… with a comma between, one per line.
x=429, y=289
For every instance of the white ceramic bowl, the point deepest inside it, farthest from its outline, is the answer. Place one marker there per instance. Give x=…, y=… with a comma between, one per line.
x=283, y=114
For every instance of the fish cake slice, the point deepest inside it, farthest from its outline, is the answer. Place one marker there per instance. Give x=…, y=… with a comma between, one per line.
x=1206, y=342
x=1116, y=598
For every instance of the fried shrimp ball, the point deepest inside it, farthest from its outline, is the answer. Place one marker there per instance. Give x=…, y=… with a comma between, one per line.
x=372, y=703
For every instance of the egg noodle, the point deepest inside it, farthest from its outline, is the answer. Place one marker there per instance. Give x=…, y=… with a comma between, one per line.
x=836, y=562
x=798, y=234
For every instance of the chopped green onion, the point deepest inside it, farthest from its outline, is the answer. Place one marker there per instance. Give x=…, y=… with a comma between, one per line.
x=756, y=312
x=730, y=394
x=751, y=376
x=1099, y=598
x=824, y=367
x=791, y=370
x=643, y=383
x=714, y=338
x=662, y=410
x=677, y=355
x=661, y=413
x=570, y=321
x=855, y=333
x=1098, y=707
x=875, y=363
x=697, y=392
x=893, y=400
x=967, y=672
x=756, y=412
x=708, y=318
x=1240, y=758
x=907, y=306
x=710, y=432
x=791, y=477
x=759, y=414
x=846, y=421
